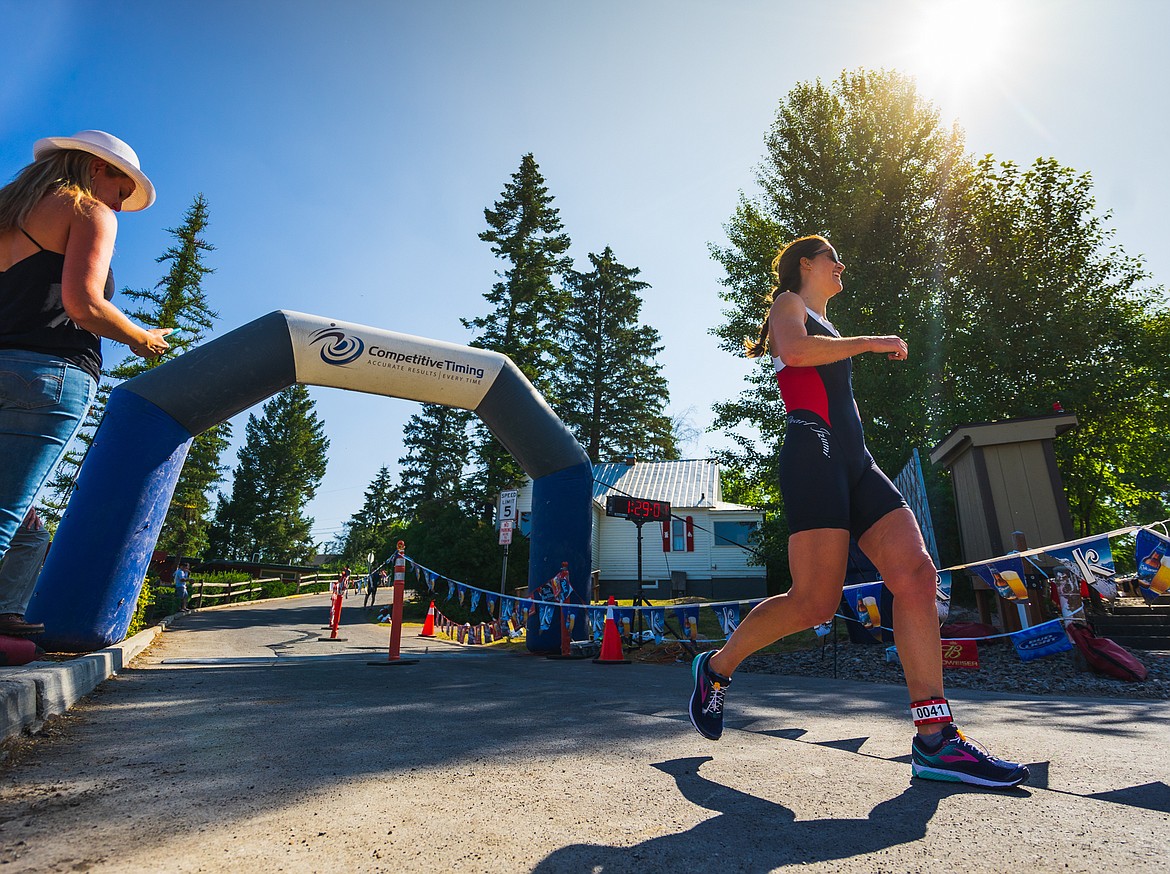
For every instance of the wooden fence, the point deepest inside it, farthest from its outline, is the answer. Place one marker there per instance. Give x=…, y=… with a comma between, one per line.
x=206, y=593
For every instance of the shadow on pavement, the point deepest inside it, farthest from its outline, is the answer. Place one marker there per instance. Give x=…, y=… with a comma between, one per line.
x=753, y=834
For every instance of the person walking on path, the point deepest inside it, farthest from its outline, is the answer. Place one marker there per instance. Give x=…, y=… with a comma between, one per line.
x=58, y=223
x=832, y=490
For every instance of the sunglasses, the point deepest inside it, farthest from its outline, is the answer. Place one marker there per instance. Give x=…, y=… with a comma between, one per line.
x=831, y=253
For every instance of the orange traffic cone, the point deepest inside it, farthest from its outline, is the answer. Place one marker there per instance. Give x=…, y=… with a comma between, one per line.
x=611, y=641
x=429, y=625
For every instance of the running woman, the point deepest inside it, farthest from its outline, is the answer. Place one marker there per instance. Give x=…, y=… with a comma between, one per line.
x=832, y=490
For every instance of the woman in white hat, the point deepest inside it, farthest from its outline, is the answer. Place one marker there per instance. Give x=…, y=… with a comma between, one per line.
x=57, y=230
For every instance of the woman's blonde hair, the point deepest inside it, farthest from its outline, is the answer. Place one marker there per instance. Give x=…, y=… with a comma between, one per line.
x=65, y=171
x=785, y=277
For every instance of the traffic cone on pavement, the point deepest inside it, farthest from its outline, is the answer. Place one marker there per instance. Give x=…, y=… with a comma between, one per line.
x=429, y=624
x=611, y=641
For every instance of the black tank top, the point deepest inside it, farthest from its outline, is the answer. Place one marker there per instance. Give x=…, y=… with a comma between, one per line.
x=33, y=318
x=825, y=390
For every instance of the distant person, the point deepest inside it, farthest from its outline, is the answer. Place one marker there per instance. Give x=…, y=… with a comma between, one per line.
x=182, y=575
x=377, y=578
x=832, y=490
x=19, y=571
x=57, y=231
x=343, y=582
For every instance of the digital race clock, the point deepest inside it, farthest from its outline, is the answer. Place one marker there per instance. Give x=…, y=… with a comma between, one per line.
x=637, y=509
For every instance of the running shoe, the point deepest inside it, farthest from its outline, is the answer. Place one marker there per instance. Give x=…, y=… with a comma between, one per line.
x=960, y=760
x=707, y=699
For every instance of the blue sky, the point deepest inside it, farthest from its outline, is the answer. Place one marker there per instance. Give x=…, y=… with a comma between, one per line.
x=348, y=149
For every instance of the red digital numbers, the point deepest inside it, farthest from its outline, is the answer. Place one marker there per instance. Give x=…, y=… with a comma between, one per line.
x=638, y=509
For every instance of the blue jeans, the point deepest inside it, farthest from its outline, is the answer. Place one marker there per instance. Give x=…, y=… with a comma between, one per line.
x=21, y=567
x=43, y=401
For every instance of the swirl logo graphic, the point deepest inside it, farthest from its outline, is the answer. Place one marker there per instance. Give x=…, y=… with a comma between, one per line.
x=339, y=349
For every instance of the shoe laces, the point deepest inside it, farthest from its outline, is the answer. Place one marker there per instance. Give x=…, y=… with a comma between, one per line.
x=714, y=703
x=974, y=746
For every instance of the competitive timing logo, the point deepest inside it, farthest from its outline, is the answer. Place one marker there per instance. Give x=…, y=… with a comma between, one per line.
x=339, y=349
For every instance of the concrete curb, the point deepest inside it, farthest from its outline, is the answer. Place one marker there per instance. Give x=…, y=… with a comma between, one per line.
x=30, y=694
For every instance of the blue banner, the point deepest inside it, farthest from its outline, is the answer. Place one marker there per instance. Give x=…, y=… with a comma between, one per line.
x=865, y=600
x=656, y=617
x=574, y=620
x=688, y=618
x=475, y=596
x=1045, y=639
x=506, y=608
x=942, y=595
x=1153, y=566
x=624, y=617
x=546, y=616
x=728, y=615
x=1006, y=576
x=596, y=621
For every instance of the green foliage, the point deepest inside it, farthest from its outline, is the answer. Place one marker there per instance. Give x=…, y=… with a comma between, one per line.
x=177, y=301
x=610, y=389
x=525, y=232
x=463, y=548
x=1041, y=308
x=436, y=451
x=1004, y=283
x=377, y=522
x=280, y=466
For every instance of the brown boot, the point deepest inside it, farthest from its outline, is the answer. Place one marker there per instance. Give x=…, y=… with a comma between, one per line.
x=13, y=625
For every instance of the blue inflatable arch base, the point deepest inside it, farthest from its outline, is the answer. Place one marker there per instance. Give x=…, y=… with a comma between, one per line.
x=90, y=583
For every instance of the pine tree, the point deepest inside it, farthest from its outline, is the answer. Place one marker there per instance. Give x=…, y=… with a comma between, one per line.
x=525, y=231
x=610, y=391
x=281, y=464
x=177, y=301
x=436, y=443
x=369, y=529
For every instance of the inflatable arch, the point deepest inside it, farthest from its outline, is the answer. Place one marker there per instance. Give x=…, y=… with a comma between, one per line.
x=91, y=580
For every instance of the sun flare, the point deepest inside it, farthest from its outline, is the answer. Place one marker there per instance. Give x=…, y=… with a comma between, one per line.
x=962, y=40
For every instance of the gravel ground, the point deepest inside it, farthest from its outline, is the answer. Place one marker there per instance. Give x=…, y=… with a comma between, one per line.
x=1000, y=670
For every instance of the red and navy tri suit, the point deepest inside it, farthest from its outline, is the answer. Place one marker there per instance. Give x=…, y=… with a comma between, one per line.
x=827, y=477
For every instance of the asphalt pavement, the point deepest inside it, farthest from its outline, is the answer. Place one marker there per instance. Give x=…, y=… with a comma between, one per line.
x=240, y=740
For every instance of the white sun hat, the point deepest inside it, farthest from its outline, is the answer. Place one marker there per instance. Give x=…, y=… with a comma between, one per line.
x=109, y=148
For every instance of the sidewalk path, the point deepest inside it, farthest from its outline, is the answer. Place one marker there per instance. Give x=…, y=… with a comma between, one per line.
x=239, y=741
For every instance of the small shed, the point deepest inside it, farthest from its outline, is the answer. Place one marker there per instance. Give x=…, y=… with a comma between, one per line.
x=1005, y=479
x=1008, y=493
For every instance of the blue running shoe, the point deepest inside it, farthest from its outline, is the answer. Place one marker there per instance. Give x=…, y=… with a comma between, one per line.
x=959, y=760
x=707, y=699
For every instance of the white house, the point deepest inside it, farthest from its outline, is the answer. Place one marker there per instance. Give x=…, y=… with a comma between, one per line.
x=703, y=550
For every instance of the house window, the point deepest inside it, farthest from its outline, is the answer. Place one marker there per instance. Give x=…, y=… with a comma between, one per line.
x=734, y=533
x=678, y=535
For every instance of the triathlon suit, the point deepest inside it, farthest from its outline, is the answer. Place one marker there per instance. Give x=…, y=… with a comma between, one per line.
x=32, y=316
x=827, y=477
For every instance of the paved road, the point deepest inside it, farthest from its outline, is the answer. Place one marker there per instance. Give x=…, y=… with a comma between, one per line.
x=240, y=741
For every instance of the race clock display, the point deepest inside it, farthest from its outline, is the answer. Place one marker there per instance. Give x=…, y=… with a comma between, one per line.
x=637, y=509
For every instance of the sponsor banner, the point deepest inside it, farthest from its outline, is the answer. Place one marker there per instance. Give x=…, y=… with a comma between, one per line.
x=656, y=617
x=1006, y=576
x=624, y=617
x=865, y=601
x=574, y=618
x=361, y=358
x=1089, y=562
x=688, y=618
x=1045, y=639
x=1153, y=566
x=596, y=617
x=960, y=654
x=942, y=596
x=546, y=616
x=728, y=615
